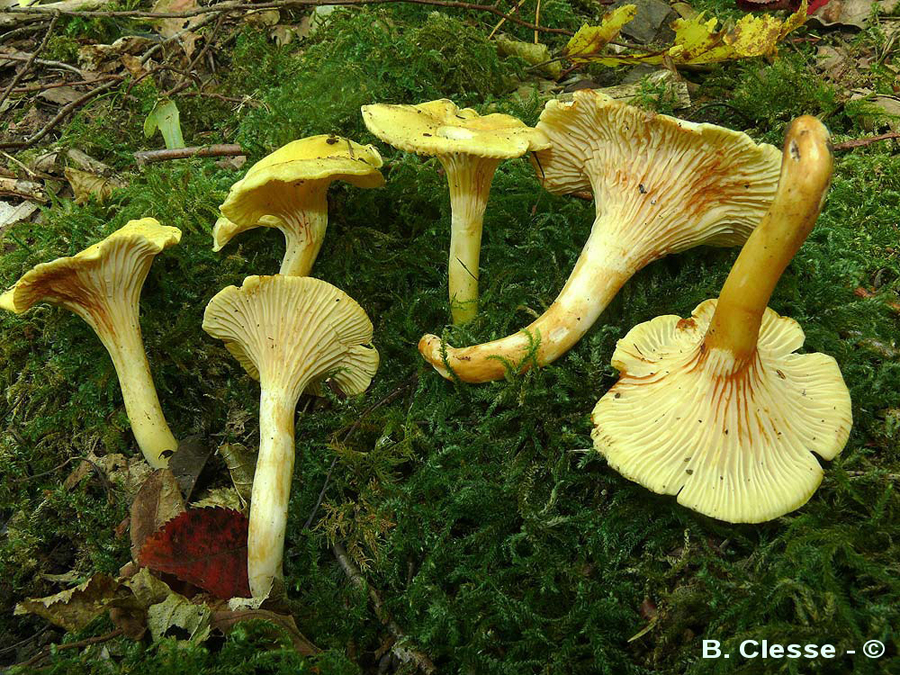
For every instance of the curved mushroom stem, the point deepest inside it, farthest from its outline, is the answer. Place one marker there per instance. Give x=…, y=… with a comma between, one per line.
x=148, y=424
x=469, y=179
x=303, y=238
x=271, y=490
x=603, y=267
x=805, y=176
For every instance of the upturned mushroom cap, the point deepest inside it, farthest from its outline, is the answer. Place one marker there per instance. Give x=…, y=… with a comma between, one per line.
x=441, y=128
x=737, y=446
x=78, y=282
x=266, y=188
x=291, y=333
x=668, y=181
x=102, y=285
x=225, y=230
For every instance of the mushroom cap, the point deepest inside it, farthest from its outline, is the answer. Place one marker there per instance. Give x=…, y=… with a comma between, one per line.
x=314, y=160
x=733, y=441
x=67, y=281
x=225, y=230
x=294, y=332
x=655, y=168
x=441, y=128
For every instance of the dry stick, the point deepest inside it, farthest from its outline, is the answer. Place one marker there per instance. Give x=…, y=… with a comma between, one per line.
x=537, y=20
x=862, y=142
x=405, y=654
x=186, y=81
x=45, y=652
x=225, y=150
x=40, y=62
x=55, y=85
x=37, y=25
x=24, y=69
x=282, y=4
x=506, y=16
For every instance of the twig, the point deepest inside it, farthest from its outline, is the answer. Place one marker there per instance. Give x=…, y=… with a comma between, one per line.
x=40, y=62
x=405, y=654
x=873, y=474
x=45, y=652
x=149, y=156
x=24, y=641
x=24, y=69
x=8, y=35
x=406, y=384
x=506, y=16
x=55, y=85
x=60, y=116
x=862, y=142
x=235, y=6
x=537, y=20
x=220, y=97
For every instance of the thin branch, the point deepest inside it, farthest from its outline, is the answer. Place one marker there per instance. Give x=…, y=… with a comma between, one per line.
x=27, y=67
x=45, y=652
x=862, y=142
x=150, y=156
x=40, y=62
x=55, y=85
x=506, y=16
x=405, y=654
x=234, y=6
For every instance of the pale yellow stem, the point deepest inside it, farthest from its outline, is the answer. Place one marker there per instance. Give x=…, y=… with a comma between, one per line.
x=806, y=169
x=271, y=490
x=469, y=179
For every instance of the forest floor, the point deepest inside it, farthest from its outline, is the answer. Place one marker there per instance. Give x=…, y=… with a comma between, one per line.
x=496, y=539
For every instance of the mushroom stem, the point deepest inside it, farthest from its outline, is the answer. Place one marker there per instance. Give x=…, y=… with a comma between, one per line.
x=601, y=270
x=304, y=239
x=470, y=179
x=148, y=424
x=805, y=176
x=271, y=490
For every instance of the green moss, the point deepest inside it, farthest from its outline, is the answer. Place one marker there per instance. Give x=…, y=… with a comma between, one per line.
x=498, y=539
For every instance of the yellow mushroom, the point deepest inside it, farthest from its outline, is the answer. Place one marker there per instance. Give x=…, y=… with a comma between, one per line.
x=717, y=408
x=290, y=333
x=470, y=148
x=288, y=190
x=661, y=185
x=102, y=285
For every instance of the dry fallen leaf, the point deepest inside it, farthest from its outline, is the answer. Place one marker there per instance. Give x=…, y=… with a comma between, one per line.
x=169, y=28
x=697, y=42
x=75, y=608
x=589, y=41
x=206, y=548
x=86, y=185
x=158, y=501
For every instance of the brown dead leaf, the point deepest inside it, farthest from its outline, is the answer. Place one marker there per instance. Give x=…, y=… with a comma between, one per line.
x=75, y=608
x=60, y=95
x=188, y=461
x=86, y=185
x=105, y=58
x=158, y=501
x=169, y=28
x=241, y=464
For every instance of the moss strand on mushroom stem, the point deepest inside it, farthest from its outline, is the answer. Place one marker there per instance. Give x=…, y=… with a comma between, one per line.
x=805, y=177
x=469, y=178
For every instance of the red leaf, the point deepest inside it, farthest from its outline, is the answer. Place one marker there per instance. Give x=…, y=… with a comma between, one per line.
x=205, y=547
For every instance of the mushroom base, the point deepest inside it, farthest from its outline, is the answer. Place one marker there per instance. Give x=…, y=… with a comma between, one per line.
x=732, y=438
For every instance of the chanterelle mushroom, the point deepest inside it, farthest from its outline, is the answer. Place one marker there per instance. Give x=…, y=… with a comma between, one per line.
x=290, y=333
x=660, y=185
x=288, y=190
x=470, y=148
x=102, y=285
x=717, y=408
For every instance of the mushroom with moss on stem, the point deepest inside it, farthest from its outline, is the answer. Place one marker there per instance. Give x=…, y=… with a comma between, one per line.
x=470, y=148
x=102, y=285
x=290, y=333
x=718, y=408
x=660, y=184
x=288, y=190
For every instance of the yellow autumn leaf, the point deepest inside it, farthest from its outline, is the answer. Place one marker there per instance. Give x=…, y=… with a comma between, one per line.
x=697, y=42
x=589, y=40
